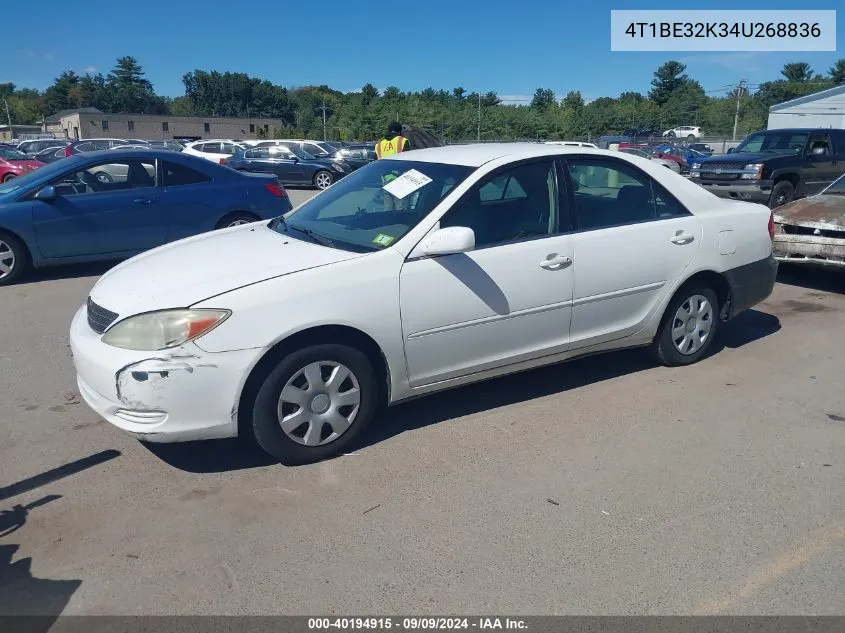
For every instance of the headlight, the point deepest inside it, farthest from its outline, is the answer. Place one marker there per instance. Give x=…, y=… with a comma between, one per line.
x=696, y=166
x=162, y=330
x=753, y=172
x=338, y=167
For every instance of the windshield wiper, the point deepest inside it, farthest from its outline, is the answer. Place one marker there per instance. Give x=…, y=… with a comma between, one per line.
x=316, y=237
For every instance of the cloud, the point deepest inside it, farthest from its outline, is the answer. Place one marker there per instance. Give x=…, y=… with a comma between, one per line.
x=89, y=70
x=744, y=60
x=515, y=99
x=33, y=54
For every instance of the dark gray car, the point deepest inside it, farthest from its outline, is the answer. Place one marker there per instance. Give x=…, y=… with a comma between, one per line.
x=290, y=165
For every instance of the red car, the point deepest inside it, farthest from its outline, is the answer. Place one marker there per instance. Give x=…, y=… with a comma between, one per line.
x=14, y=163
x=659, y=153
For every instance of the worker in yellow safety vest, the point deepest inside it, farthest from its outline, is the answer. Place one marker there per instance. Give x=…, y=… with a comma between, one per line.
x=393, y=142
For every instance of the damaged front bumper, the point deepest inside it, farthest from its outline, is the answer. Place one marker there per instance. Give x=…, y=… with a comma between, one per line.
x=811, y=250
x=174, y=395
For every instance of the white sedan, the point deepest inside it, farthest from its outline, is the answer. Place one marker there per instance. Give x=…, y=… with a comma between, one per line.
x=425, y=271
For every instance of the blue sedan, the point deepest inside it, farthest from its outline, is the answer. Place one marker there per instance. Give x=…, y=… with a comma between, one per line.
x=114, y=204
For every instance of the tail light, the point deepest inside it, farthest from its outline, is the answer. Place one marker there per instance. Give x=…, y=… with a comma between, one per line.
x=67, y=151
x=772, y=226
x=222, y=161
x=275, y=189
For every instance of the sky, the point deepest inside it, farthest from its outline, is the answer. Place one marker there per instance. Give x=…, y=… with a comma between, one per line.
x=510, y=47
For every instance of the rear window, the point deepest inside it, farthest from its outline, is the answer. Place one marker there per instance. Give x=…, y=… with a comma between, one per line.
x=175, y=175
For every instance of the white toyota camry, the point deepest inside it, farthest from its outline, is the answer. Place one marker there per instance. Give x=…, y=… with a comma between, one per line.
x=425, y=271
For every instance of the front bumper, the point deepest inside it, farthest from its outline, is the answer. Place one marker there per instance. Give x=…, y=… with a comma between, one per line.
x=749, y=191
x=810, y=250
x=750, y=284
x=168, y=396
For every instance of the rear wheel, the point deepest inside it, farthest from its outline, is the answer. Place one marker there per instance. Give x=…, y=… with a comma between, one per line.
x=103, y=177
x=14, y=259
x=782, y=193
x=314, y=403
x=671, y=135
x=323, y=180
x=236, y=219
x=691, y=138
x=688, y=328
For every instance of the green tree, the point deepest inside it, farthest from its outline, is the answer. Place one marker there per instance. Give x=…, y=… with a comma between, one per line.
x=543, y=99
x=837, y=72
x=58, y=96
x=668, y=78
x=797, y=72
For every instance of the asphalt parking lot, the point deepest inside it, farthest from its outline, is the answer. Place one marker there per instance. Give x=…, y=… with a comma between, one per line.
x=606, y=485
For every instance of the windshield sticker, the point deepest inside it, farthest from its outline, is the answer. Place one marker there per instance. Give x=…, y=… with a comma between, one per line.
x=383, y=239
x=406, y=184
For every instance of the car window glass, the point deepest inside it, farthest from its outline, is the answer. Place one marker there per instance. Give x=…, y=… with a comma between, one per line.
x=667, y=206
x=819, y=141
x=280, y=152
x=107, y=177
x=515, y=204
x=175, y=175
x=610, y=194
x=258, y=152
x=229, y=148
x=314, y=150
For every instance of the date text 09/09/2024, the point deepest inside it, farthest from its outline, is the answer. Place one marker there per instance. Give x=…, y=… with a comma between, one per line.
x=724, y=29
x=415, y=623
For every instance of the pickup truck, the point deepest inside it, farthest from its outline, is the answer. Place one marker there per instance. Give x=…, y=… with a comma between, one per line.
x=774, y=167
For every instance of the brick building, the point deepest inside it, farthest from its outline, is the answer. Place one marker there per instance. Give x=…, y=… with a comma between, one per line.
x=92, y=123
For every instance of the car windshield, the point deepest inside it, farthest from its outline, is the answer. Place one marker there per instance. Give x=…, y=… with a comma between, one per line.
x=375, y=206
x=837, y=188
x=8, y=153
x=774, y=142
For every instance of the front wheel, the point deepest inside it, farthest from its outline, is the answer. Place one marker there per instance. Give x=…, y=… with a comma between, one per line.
x=323, y=179
x=688, y=328
x=103, y=177
x=8, y=177
x=315, y=403
x=782, y=193
x=691, y=138
x=671, y=135
x=13, y=259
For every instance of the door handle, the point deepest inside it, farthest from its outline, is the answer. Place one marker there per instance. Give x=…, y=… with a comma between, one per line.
x=682, y=238
x=143, y=201
x=554, y=261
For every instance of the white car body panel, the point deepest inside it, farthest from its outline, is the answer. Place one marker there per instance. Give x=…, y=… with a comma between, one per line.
x=439, y=322
x=212, y=156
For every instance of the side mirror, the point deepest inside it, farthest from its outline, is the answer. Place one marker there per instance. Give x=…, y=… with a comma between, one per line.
x=448, y=241
x=731, y=150
x=47, y=193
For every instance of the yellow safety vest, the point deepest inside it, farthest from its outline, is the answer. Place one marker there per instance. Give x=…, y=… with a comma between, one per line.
x=388, y=147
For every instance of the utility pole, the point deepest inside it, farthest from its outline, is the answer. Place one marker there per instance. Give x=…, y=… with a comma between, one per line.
x=479, y=117
x=323, y=107
x=9, y=119
x=738, y=98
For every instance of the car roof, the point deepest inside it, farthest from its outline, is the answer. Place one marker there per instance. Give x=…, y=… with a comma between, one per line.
x=477, y=154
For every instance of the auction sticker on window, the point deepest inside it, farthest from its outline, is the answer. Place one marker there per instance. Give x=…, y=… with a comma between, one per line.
x=382, y=239
x=407, y=183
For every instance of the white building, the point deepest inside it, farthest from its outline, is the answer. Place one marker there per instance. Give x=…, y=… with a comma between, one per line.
x=824, y=109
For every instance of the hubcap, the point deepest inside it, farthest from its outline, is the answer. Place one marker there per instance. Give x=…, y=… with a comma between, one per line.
x=104, y=178
x=7, y=259
x=319, y=403
x=323, y=180
x=692, y=324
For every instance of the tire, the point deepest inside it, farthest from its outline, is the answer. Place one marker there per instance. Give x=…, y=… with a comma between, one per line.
x=323, y=179
x=665, y=349
x=103, y=177
x=236, y=219
x=8, y=177
x=14, y=259
x=782, y=193
x=691, y=138
x=671, y=135
x=290, y=447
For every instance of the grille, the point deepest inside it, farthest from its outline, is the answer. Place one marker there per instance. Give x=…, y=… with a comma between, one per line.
x=805, y=230
x=99, y=318
x=708, y=170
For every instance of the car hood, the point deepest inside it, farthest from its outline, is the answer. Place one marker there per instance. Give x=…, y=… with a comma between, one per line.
x=816, y=212
x=28, y=163
x=183, y=273
x=746, y=158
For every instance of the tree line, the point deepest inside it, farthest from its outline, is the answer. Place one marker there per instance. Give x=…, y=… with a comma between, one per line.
x=674, y=98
